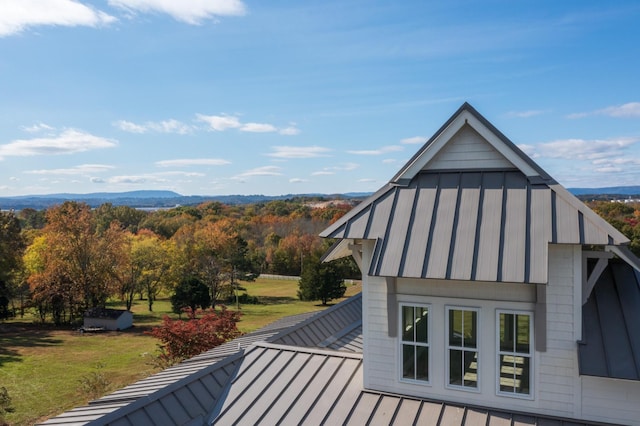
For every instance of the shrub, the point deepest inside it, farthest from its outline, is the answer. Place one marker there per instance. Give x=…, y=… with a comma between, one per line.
x=94, y=384
x=182, y=339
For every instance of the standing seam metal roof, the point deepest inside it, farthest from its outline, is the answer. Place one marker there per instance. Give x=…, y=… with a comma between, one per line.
x=611, y=322
x=471, y=225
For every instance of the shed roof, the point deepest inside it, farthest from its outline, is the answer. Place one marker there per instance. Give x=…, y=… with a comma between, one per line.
x=105, y=313
x=469, y=205
x=611, y=322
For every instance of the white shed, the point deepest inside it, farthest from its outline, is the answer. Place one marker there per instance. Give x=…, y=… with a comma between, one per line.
x=108, y=319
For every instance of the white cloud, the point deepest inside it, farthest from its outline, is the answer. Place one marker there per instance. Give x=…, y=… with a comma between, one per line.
x=223, y=122
x=389, y=161
x=292, y=130
x=130, y=127
x=192, y=12
x=192, y=162
x=128, y=179
x=258, y=128
x=261, y=171
x=37, y=128
x=299, y=152
x=220, y=123
x=631, y=109
x=580, y=149
x=525, y=114
x=96, y=180
x=297, y=180
x=413, y=140
x=178, y=173
x=379, y=151
x=70, y=141
x=77, y=170
x=18, y=15
x=366, y=180
x=165, y=126
x=628, y=110
x=323, y=173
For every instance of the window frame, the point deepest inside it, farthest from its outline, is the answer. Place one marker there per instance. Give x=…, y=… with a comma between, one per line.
x=402, y=343
x=449, y=348
x=530, y=354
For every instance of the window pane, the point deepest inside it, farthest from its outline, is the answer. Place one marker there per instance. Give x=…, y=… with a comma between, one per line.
x=421, y=325
x=523, y=368
x=455, y=327
x=407, y=323
x=523, y=342
x=471, y=369
x=507, y=373
x=408, y=357
x=506, y=332
x=455, y=367
x=470, y=329
x=422, y=363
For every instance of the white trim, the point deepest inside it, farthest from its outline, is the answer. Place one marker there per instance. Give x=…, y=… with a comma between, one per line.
x=448, y=348
x=530, y=355
x=401, y=342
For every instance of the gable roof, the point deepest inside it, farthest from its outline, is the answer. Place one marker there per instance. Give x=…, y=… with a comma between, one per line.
x=469, y=205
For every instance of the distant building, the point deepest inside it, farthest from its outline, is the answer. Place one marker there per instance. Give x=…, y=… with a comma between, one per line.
x=108, y=319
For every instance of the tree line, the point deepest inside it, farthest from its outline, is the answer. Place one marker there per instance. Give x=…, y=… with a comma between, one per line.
x=68, y=258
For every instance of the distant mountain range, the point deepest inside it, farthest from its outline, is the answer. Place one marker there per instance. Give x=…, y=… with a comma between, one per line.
x=151, y=199
x=612, y=190
x=168, y=199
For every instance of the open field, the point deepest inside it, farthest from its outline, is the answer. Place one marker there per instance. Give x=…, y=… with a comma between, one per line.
x=42, y=366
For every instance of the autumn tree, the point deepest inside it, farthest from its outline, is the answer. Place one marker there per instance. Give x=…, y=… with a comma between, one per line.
x=73, y=265
x=127, y=217
x=182, y=339
x=215, y=254
x=151, y=257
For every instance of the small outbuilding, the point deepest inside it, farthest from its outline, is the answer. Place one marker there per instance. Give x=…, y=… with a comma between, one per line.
x=108, y=319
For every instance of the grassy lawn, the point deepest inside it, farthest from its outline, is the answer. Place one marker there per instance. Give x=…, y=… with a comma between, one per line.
x=41, y=366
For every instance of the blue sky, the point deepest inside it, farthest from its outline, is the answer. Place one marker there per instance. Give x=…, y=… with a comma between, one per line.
x=286, y=97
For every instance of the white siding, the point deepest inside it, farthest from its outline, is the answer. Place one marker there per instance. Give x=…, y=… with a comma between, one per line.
x=558, y=387
x=610, y=400
x=468, y=150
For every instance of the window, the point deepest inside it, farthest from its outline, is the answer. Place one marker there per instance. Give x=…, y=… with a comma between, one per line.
x=414, y=335
x=462, y=347
x=515, y=330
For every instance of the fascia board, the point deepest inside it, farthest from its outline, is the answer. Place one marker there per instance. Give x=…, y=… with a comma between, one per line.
x=432, y=148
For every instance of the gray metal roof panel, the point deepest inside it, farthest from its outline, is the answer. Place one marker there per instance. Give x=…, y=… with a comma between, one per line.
x=484, y=226
x=611, y=331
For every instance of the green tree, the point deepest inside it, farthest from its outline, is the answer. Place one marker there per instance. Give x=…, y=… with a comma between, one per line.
x=320, y=281
x=190, y=293
x=12, y=247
